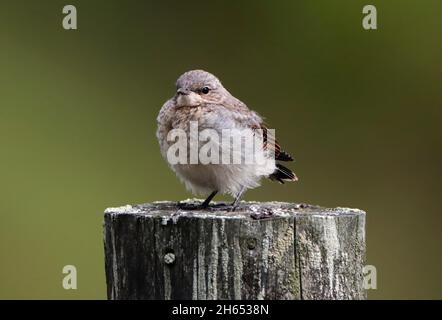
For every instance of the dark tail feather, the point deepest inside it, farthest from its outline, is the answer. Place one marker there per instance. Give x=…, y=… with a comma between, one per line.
x=282, y=174
x=284, y=156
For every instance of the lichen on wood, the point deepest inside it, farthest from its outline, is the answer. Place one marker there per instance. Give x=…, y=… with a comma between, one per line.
x=160, y=251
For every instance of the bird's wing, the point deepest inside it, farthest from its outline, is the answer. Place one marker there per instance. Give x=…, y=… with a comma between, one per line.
x=254, y=121
x=270, y=143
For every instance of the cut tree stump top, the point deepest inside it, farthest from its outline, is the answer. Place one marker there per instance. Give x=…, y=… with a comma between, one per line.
x=170, y=211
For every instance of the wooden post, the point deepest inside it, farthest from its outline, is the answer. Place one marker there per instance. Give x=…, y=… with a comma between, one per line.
x=159, y=251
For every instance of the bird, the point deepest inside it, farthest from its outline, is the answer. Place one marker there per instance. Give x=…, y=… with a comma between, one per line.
x=201, y=99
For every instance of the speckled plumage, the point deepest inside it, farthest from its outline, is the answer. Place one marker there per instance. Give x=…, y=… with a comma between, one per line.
x=216, y=110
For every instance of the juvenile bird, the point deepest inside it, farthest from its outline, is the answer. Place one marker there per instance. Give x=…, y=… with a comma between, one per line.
x=202, y=101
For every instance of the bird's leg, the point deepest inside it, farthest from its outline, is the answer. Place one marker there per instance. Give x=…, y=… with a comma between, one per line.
x=192, y=206
x=206, y=202
x=237, y=200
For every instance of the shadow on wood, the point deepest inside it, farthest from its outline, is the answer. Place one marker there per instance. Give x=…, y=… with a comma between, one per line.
x=159, y=251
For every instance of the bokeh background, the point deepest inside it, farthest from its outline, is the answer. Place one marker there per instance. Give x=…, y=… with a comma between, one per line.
x=360, y=110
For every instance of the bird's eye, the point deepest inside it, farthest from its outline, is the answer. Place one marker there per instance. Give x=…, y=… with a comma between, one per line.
x=205, y=90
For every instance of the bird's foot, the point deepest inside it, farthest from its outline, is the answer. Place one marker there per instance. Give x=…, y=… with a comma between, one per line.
x=231, y=207
x=190, y=206
x=213, y=207
x=223, y=207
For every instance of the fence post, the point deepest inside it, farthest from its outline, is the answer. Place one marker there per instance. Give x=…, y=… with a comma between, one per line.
x=159, y=251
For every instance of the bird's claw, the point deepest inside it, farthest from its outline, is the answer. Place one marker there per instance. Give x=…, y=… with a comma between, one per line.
x=212, y=207
x=188, y=206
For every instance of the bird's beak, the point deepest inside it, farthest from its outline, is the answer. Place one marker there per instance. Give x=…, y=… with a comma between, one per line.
x=183, y=92
x=187, y=98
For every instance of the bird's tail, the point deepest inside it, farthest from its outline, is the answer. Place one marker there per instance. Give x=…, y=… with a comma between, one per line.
x=282, y=174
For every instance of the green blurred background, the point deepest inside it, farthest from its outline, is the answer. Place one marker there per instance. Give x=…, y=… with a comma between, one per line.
x=360, y=110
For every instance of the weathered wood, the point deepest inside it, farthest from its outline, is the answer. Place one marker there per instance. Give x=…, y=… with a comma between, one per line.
x=158, y=251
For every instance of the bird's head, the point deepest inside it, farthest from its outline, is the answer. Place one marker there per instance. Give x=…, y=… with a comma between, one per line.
x=197, y=87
